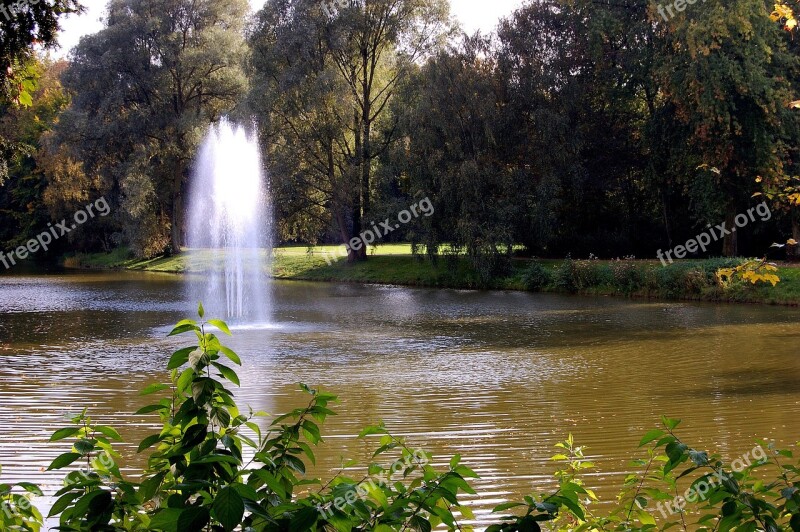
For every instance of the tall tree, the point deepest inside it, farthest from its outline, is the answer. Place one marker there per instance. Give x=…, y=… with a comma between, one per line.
x=146, y=88
x=364, y=48
x=724, y=75
x=24, y=26
x=23, y=212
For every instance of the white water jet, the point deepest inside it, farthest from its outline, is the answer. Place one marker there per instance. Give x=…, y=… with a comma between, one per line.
x=230, y=226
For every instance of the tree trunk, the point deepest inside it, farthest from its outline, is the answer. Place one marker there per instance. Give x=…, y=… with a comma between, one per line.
x=353, y=255
x=793, y=252
x=176, y=232
x=730, y=246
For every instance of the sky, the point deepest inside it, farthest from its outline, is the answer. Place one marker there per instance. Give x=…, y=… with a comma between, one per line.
x=473, y=14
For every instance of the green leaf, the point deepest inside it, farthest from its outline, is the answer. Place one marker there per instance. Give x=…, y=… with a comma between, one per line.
x=194, y=517
x=63, y=460
x=31, y=488
x=183, y=328
x=507, y=506
x=84, y=446
x=304, y=519
x=221, y=325
x=149, y=442
x=651, y=436
x=151, y=408
x=166, y=519
x=228, y=508
x=66, y=432
x=645, y=518
x=228, y=373
x=180, y=357
x=154, y=388
x=108, y=432
x=194, y=435
x=670, y=423
x=25, y=99
x=63, y=503
x=200, y=310
x=231, y=355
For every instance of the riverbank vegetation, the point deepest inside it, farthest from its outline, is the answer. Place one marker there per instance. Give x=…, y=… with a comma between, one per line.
x=216, y=466
x=576, y=127
x=395, y=264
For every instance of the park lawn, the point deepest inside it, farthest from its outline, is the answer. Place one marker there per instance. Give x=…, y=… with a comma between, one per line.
x=394, y=264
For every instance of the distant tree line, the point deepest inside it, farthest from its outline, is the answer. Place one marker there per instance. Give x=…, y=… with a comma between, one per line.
x=577, y=127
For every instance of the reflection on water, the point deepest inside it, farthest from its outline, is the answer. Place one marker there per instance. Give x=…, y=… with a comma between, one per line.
x=497, y=377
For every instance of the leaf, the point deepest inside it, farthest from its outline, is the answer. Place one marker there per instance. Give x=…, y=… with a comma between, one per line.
x=149, y=441
x=228, y=373
x=221, y=325
x=63, y=460
x=153, y=388
x=670, y=422
x=24, y=99
x=108, y=432
x=200, y=310
x=228, y=508
x=194, y=517
x=304, y=519
x=151, y=408
x=180, y=357
x=66, y=432
x=63, y=502
x=185, y=327
x=166, y=519
x=228, y=352
x=645, y=518
x=651, y=436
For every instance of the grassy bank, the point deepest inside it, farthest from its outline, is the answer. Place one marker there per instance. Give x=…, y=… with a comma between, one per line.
x=394, y=264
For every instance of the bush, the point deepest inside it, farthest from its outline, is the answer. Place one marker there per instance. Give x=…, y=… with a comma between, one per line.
x=628, y=276
x=564, y=277
x=537, y=276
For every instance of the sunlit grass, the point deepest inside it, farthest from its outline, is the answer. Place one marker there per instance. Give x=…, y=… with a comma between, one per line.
x=395, y=264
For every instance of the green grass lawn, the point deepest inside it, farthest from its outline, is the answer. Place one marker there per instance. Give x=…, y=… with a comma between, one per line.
x=394, y=264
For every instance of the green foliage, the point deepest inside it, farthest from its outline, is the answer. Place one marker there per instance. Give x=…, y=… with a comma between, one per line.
x=565, y=275
x=25, y=129
x=145, y=89
x=537, y=276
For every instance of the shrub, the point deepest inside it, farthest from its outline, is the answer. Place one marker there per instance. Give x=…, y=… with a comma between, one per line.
x=537, y=276
x=628, y=276
x=564, y=277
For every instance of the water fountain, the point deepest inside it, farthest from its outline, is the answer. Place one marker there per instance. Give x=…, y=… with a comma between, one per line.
x=230, y=226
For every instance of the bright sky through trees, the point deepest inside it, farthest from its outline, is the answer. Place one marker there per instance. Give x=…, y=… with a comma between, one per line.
x=473, y=14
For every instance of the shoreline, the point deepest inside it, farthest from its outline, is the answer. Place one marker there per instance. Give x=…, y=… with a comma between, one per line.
x=691, y=281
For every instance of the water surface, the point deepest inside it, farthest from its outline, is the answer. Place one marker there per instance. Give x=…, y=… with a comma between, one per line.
x=497, y=377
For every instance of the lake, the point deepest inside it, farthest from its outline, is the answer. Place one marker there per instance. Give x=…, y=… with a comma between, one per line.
x=498, y=377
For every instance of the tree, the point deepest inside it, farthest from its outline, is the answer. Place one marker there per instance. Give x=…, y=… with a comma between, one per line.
x=24, y=26
x=724, y=76
x=362, y=51
x=22, y=211
x=146, y=88
x=305, y=120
